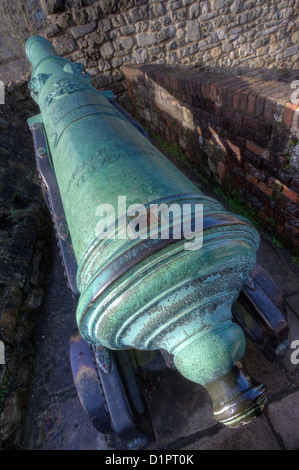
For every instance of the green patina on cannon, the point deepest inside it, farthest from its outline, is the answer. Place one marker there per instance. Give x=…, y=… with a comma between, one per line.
x=146, y=294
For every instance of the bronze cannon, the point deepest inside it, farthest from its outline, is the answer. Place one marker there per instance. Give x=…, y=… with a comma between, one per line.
x=135, y=291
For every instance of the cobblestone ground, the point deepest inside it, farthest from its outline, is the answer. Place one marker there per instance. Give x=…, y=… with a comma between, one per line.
x=181, y=411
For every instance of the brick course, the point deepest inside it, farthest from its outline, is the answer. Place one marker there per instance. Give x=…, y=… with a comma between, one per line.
x=241, y=132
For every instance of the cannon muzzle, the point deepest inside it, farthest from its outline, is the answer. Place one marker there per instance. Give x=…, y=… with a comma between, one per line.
x=139, y=288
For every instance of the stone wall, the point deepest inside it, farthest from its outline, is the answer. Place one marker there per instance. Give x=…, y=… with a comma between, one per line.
x=231, y=34
x=25, y=229
x=240, y=132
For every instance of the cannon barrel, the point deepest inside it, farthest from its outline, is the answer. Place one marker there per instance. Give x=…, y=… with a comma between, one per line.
x=145, y=293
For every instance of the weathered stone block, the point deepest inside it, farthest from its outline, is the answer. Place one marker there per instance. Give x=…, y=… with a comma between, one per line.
x=107, y=50
x=93, y=13
x=64, y=44
x=92, y=55
x=79, y=31
x=73, y=4
x=102, y=80
x=174, y=5
x=141, y=26
x=140, y=56
x=104, y=65
x=117, y=20
x=126, y=42
x=193, y=31
x=64, y=20
x=146, y=39
x=104, y=26
x=284, y=417
x=34, y=299
x=52, y=6
x=157, y=10
x=52, y=30
x=194, y=10
x=95, y=39
x=79, y=16
x=116, y=62
x=166, y=33
x=129, y=29
x=216, y=52
x=108, y=6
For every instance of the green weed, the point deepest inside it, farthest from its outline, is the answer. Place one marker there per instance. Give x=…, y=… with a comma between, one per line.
x=276, y=242
x=12, y=213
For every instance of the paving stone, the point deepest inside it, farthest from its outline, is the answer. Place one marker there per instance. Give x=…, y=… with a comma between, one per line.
x=256, y=435
x=284, y=416
x=277, y=263
x=64, y=426
x=178, y=407
x=264, y=371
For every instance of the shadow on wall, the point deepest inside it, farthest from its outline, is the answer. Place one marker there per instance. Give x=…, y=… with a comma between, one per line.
x=101, y=81
x=240, y=131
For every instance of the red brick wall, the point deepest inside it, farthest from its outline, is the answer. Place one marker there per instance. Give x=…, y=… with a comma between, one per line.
x=239, y=131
